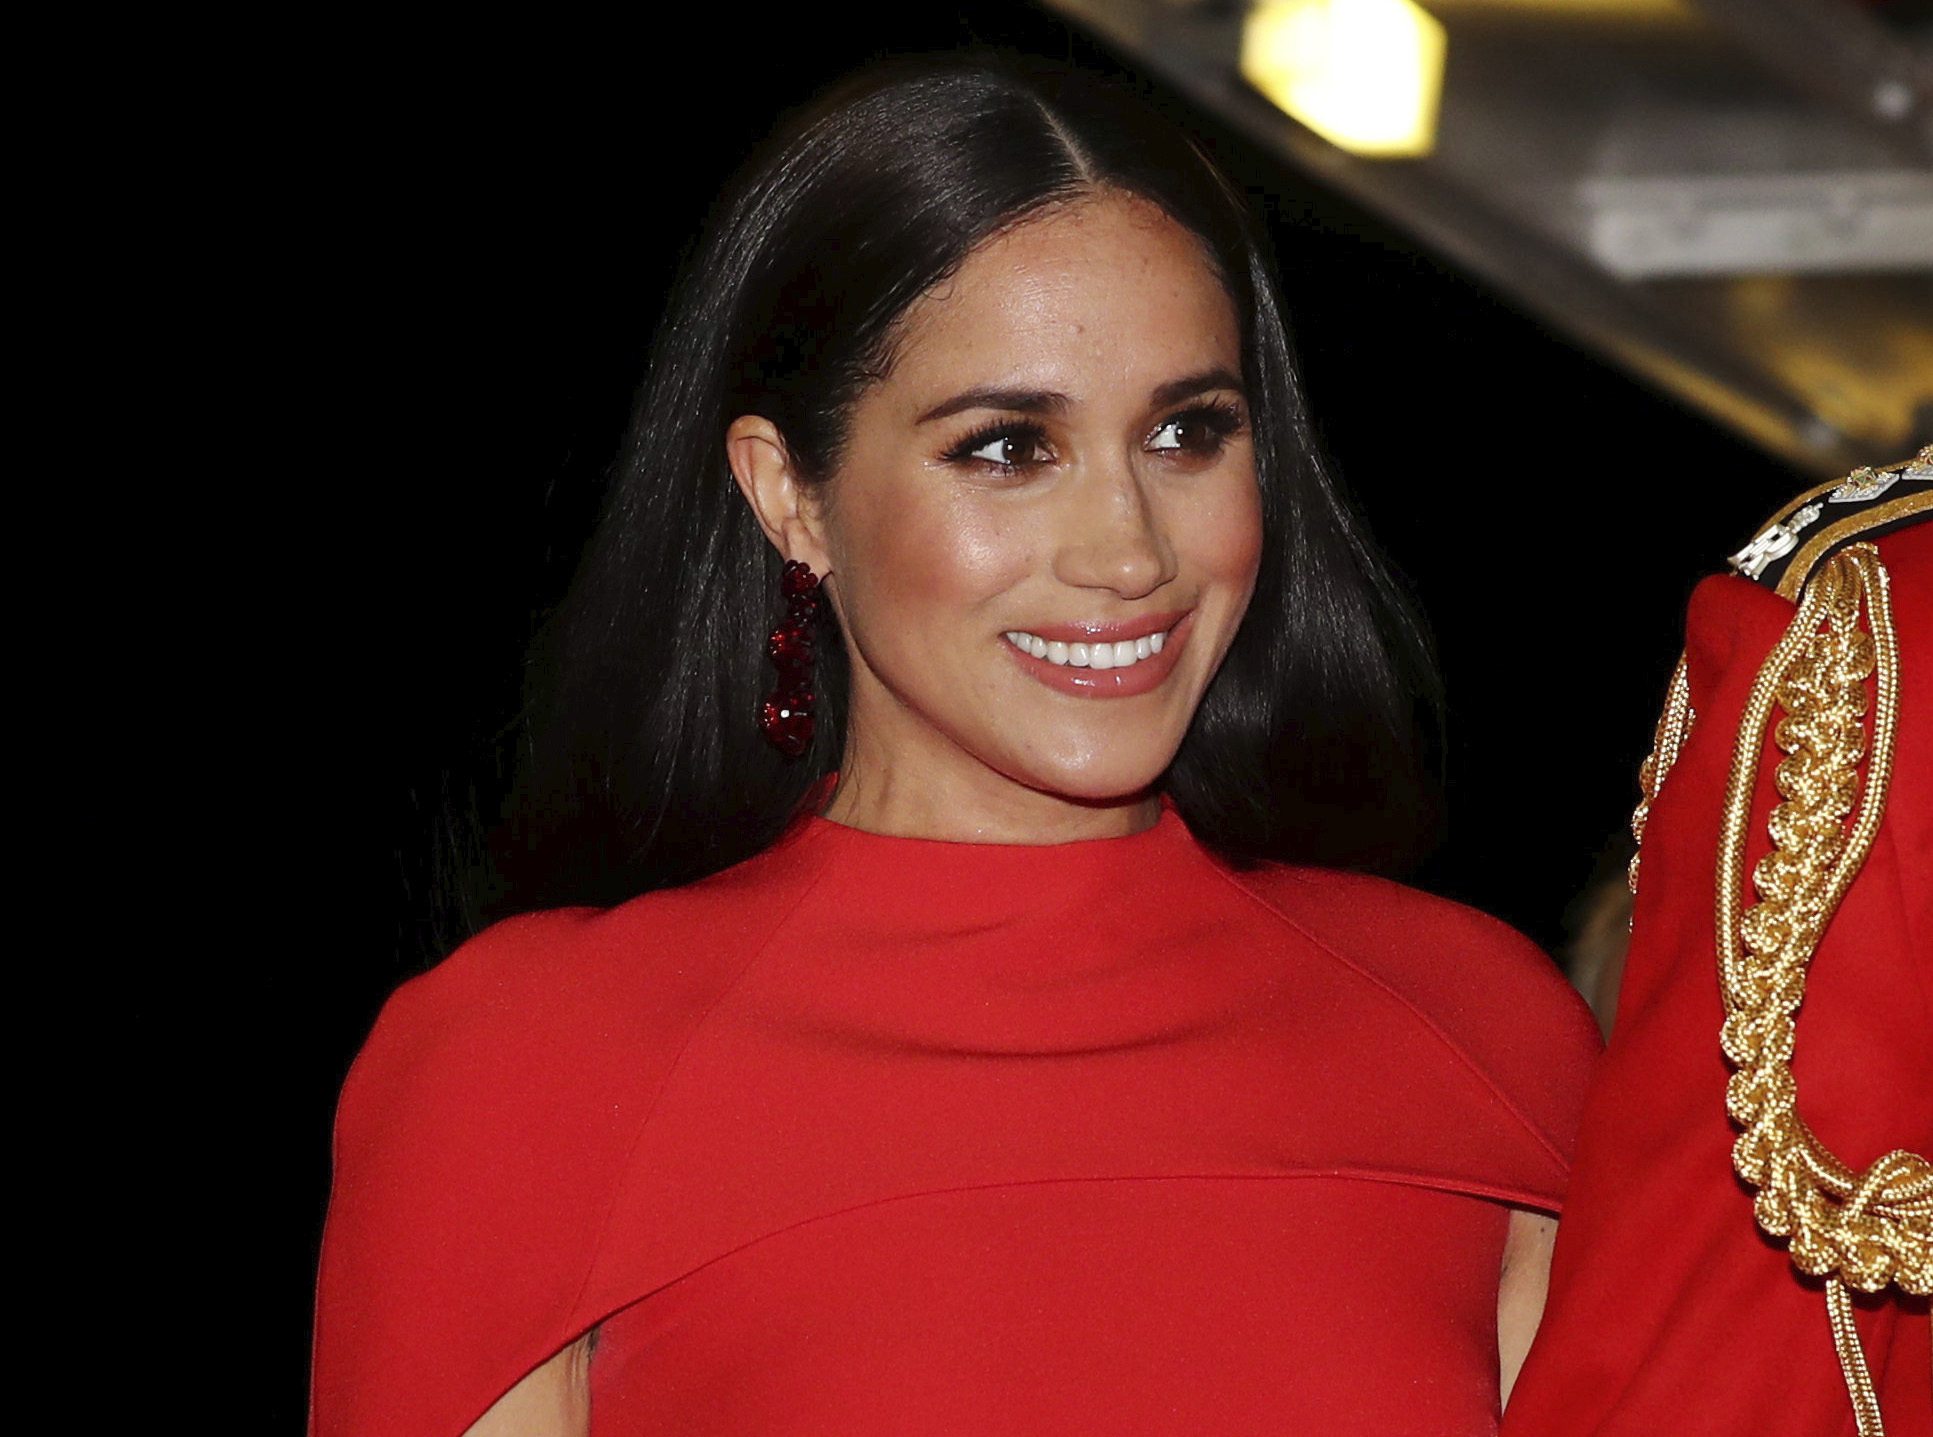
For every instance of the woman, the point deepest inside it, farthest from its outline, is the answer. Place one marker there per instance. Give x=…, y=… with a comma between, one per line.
x=970, y=1061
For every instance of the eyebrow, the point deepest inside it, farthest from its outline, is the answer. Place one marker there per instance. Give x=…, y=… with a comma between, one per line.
x=1050, y=401
x=1177, y=390
x=1016, y=401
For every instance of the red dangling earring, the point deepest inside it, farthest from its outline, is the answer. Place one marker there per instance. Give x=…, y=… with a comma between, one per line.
x=786, y=717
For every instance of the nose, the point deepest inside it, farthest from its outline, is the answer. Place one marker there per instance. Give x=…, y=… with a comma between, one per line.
x=1112, y=537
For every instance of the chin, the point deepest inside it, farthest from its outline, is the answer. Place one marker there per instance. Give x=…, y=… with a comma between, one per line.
x=1102, y=779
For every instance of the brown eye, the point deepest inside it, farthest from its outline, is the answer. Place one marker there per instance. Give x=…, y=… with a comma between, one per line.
x=1198, y=432
x=1005, y=449
x=1182, y=434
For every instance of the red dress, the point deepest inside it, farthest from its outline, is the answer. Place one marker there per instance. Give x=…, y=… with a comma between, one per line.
x=875, y=1135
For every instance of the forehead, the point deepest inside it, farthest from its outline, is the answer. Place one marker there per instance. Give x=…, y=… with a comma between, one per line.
x=1102, y=292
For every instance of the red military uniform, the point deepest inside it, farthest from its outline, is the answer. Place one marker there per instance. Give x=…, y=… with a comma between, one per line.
x=1672, y=1309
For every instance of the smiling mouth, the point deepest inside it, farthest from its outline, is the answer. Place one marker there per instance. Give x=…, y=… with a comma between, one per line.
x=1121, y=654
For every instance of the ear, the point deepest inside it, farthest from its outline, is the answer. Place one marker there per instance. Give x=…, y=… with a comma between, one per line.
x=786, y=507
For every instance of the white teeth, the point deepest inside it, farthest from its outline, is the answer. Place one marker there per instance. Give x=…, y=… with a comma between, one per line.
x=1084, y=656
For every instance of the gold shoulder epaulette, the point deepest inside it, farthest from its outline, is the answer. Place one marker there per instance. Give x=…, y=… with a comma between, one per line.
x=1818, y=523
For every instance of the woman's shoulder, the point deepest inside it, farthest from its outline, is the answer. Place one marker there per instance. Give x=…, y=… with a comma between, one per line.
x=1398, y=929
x=554, y=989
x=537, y=983
x=1485, y=988
x=485, y=1127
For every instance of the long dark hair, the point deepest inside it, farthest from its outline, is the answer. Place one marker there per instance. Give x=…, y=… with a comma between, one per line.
x=642, y=766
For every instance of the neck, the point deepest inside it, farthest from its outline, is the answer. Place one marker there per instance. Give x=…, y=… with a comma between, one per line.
x=967, y=808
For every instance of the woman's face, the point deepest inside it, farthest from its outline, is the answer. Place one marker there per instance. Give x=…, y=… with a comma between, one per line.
x=1043, y=533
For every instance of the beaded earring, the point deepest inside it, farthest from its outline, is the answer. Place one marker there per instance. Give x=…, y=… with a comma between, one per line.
x=786, y=717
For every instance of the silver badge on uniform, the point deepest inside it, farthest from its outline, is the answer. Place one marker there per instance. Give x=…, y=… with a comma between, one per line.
x=1863, y=484
x=1775, y=541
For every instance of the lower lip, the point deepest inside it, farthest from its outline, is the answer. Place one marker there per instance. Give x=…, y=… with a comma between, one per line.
x=1138, y=678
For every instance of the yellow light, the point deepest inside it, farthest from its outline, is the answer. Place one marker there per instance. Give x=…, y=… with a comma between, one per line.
x=1363, y=74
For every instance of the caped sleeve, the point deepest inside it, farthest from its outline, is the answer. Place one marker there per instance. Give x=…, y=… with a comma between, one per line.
x=1507, y=1008
x=1489, y=1014
x=478, y=1139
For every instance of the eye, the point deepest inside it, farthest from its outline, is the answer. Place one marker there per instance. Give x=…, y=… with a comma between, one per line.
x=1199, y=432
x=1006, y=449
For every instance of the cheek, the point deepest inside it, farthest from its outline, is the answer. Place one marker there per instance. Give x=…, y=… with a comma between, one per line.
x=913, y=558
x=1224, y=539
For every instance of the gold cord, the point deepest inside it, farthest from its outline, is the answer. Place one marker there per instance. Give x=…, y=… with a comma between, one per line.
x=1852, y=1361
x=1674, y=724
x=1860, y=1231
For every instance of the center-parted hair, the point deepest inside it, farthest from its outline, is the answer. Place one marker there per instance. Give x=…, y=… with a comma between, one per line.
x=643, y=765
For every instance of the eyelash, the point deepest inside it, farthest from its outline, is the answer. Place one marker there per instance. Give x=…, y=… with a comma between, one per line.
x=1222, y=418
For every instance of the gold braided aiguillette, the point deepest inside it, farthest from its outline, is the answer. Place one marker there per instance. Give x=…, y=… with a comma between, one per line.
x=1856, y=1230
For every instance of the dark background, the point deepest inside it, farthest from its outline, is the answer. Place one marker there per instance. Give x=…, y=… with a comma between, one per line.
x=469, y=240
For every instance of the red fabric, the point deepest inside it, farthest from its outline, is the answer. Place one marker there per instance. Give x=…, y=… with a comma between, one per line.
x=1669, y=1312
x=884, y=1136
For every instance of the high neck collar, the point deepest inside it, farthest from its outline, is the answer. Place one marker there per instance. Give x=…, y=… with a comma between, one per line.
x=924, y=864
x=1050, y=904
